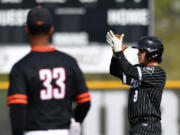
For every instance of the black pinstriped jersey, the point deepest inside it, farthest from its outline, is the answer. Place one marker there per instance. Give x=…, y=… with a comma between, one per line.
x=146, y=87
x=47, y=81
x=146, y=92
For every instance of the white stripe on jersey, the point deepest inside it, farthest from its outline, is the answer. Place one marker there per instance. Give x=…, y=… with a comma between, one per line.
x=124, y=79
x=140, y=73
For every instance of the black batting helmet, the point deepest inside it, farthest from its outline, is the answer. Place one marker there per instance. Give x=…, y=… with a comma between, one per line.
x=153, y=47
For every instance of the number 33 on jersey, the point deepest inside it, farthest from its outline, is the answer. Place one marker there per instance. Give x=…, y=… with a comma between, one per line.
x=46, y=76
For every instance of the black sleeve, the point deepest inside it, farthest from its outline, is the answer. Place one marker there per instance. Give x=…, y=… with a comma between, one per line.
x=17, y=85
x=82, y=95
x=17, y=118
x=79, y=80
x=127, y=68
x=115, y=68
x=81, y=111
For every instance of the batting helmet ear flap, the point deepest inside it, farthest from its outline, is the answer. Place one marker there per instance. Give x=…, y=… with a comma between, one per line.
x=148, y=56
x=155, y=55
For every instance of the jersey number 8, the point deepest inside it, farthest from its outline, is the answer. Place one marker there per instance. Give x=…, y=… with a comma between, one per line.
x=46, y=76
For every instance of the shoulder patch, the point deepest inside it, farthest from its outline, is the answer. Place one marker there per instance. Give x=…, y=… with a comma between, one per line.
x=149, y=69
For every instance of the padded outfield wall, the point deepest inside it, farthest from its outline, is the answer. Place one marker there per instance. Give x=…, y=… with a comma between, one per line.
x=108, y=114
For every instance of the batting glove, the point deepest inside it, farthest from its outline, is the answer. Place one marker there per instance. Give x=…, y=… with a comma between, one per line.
x=75, y=127
x=114, y=41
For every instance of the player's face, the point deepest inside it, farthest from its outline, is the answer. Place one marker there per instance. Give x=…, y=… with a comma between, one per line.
x=142, y=57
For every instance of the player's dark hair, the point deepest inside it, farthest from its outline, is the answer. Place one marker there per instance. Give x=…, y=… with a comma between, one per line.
x=36, y=30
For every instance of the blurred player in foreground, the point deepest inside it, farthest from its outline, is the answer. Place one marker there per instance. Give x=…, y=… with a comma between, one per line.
x=146, y=80
x=44, y=84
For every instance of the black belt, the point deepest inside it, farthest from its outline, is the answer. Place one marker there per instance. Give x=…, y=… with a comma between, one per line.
x=143, y=120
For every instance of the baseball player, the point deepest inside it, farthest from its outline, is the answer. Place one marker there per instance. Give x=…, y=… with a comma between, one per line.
x=44, y=83
x=146, y=80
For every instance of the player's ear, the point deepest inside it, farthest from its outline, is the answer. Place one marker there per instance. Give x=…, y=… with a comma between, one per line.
x=51, y=30
x=27, y=30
